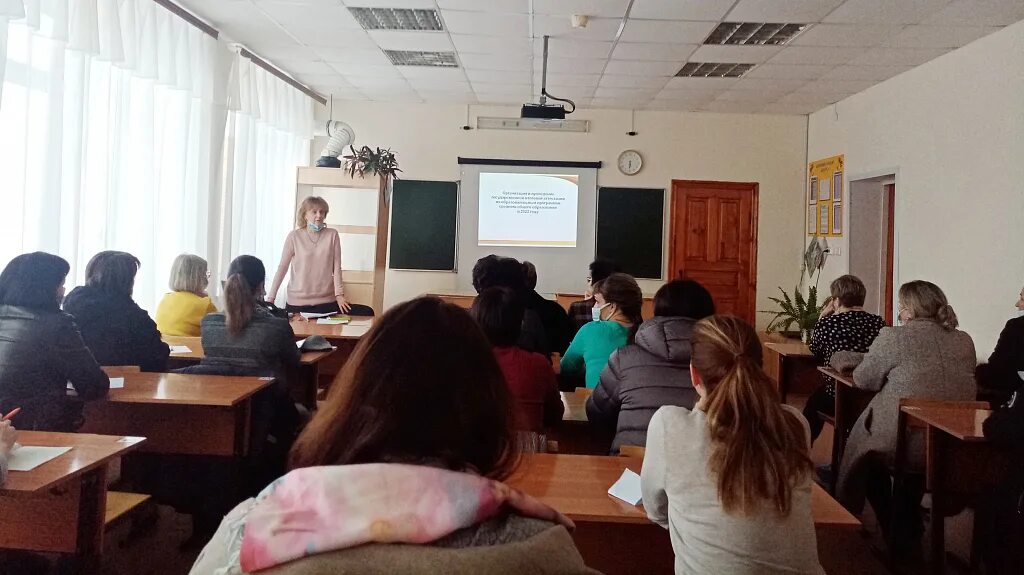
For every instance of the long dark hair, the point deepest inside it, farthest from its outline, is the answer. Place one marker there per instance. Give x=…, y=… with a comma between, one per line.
x=31, y=280
x=623, y=291
x=245, y=274
x=759, y=451
x=112, y=271
x=499, y=311
x=422, y=387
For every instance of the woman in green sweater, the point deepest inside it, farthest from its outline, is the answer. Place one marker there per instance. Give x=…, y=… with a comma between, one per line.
x=616, y=314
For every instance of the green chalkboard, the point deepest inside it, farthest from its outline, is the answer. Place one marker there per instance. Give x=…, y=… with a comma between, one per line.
x=424, y=225
x=630, y=222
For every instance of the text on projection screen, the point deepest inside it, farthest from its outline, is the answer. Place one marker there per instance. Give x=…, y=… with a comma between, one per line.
x=535, y=210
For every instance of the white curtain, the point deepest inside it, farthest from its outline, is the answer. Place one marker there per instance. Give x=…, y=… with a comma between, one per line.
x=113, y=118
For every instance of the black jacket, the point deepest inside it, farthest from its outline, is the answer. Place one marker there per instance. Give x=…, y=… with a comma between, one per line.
x=642, y=377
x=40, y=352
x=554, y=320
x=1006, y=360
x=116, y=329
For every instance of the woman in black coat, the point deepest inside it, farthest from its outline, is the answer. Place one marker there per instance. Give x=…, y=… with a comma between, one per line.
x=114, y=327
x=1007, y=359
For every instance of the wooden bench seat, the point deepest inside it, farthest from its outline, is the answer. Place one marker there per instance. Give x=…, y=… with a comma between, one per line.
x=121, y=504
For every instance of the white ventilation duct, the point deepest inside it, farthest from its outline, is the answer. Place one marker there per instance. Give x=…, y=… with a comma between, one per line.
x=341, y=135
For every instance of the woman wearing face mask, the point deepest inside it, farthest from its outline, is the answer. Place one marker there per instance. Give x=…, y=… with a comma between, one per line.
x=1007, y=358
x=616, y=318
x=313, y=251
x=925, y=358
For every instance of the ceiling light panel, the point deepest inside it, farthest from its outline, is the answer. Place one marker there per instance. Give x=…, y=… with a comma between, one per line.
x=713, y=70
x=753, y=33
x=417, y=58
x=397, y=19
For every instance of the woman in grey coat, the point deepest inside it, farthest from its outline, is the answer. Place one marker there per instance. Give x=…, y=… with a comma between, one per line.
x=926, y=358
x=654, y=371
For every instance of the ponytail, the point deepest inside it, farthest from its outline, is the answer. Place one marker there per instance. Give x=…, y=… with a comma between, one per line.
x=759, y=451
x=238, y=303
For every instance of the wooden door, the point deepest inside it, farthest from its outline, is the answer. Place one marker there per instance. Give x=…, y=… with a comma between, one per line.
x=890, y=245
x=714, y=241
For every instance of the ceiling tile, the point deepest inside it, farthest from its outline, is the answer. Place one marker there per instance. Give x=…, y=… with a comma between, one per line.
x=742, y=54
x=616, y=81
x=767, y=84
x=640, y=68
x=280, y=52
x=473, y=44
x=367, y=83
x=651, y=51
x=518, y=90
x=561, y=26
x=564, y=48
x=710, y=10
x=439, y=85
x=347, y=69
x=340, y=92
x=733, y=107
x=412, y=40
x=390, y=3
x=393, y=96
x=666, y=31
x=521, y=63
x=576, y=65
x=304, y=66
x=348, y=39
x=563, y=79
x=503, y=6
x=603, y=103
x=574, y=93
x=499, y=77
x=938, y=36
x=885, y=11
x=819, y=99
x=876, y=73
x=816, y=55
x=674, y=105
x=778, y=12
x=845, y=35
x=416, y=73
x=749, y=96
x=788, y=71
x=515, y=25
x=687, y=96
x=592, y=8
x=983, y=12
x=897, y=57
x=838, y=86
x=790, y=109
x=370, y=57
x=314, y=16
x=498, y=98
x=631, y=93
x=331, y=79
x=699, y=83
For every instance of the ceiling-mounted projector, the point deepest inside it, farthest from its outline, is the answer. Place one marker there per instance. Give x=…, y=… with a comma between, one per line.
x=543, y=110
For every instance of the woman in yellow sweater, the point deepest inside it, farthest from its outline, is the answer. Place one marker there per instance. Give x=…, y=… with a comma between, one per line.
x=180, y=312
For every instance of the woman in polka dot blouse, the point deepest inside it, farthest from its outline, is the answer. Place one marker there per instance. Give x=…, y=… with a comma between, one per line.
x=843, y=326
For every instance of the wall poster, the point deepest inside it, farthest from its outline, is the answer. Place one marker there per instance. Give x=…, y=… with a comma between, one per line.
x=825, y=197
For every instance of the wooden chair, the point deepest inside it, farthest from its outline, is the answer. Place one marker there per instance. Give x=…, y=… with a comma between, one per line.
x=632, y=451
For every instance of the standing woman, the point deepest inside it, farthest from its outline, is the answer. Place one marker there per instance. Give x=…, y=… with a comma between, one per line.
x=313, y=251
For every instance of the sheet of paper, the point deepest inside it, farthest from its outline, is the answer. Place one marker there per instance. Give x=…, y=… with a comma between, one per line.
x=361, y=323
x=115, y=383
x=180, y=349
x=311, y=315
x=1020, y=374
x=326, y=321
x=299, y=343
x=28, y=457
x=627, y=488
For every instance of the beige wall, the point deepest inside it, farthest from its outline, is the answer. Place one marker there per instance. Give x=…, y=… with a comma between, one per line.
x=765, y=149
x=952, y=131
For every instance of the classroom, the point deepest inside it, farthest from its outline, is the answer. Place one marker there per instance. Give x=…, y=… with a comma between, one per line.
x=511, y=286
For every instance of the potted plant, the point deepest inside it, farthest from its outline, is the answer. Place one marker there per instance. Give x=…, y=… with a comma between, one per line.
x=797, y=308
x=367, y=160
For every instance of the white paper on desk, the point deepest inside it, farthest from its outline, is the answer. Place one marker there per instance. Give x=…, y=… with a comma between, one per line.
x=361, y=323
x=627, y=488
x=325, y=321
x=311, y=315
x=28, y=457
x=115, y=383
x=180, y=349
x=299, y=343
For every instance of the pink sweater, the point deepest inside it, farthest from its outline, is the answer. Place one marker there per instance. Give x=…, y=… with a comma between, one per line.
x=316, y=267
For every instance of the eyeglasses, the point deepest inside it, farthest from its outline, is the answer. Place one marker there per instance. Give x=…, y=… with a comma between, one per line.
x=589, y=280
x=208, y=274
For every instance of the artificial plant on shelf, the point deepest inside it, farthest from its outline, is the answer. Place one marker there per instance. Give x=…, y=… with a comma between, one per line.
x=797, y=308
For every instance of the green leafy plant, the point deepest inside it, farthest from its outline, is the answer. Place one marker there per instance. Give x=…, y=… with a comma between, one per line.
x=797, y=308
x=366, y=160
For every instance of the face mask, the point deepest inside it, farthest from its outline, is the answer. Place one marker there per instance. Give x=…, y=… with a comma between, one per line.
x=315, y=227
x=595, y=312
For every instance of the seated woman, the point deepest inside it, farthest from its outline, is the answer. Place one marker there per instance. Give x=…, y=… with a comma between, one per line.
x=618, y=301
x=529, y=376
x=926, y=358
x=580, y=312
x=731, y=479
x=654, y=371
x=400, y=471
x=1007, y=359
x=499, y=271
x=114, y=327
x=843, y=326
x=41, y=350
x=552, y=315
x=180, y=312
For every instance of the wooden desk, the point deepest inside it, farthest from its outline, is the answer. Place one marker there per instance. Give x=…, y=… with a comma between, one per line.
x=577, y=485
x=179, y=414
x=575, y=434
x=960, y=464
x=464, y=301
x=332, y=333
x=59, y=507
x=792, y=366
x=850, y=402
x=303, y=380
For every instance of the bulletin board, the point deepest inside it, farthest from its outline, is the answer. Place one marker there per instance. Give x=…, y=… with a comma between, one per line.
x=825, y=195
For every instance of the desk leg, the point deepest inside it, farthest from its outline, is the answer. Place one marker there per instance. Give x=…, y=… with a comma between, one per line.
x=92, y=506
x=783, y=378
x=838, y=436
x=935, y=454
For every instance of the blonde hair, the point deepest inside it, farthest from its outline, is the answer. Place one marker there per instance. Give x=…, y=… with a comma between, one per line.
x=306, y=205
x=759, y=451
x=188, y=273
x=925, y=300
